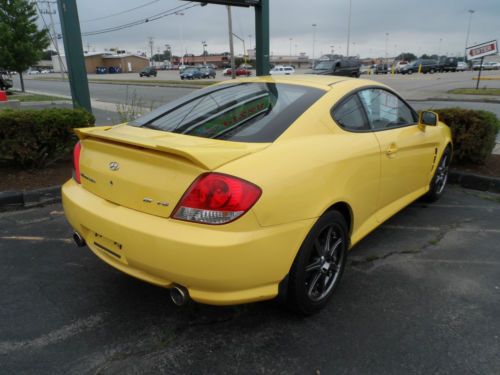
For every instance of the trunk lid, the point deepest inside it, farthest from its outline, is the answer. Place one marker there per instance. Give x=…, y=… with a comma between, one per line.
x=149, y=170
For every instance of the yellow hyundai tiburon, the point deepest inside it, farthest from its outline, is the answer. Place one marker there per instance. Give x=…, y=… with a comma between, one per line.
x=253, y=188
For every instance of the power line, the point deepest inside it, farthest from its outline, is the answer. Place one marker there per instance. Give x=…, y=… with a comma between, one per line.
x=155, y=17
x=119, y=13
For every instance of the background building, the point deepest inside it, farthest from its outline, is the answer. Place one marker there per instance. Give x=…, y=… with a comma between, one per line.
x=126, y=62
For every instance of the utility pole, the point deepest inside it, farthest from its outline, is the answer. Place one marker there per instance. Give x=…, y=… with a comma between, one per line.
x=386, y=50
x=314, y=42
x=231, y=47
x=349, y=27
x=471, y=12
x=151, y=45
x=72, y=38
x=52, y=32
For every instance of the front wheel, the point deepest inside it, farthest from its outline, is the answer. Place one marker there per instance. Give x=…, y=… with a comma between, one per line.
x=319, y=265
x=440, y=178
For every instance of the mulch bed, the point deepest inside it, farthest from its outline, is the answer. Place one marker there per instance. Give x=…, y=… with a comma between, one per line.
x=490, y=168
x=59, y=173
x=35, y=178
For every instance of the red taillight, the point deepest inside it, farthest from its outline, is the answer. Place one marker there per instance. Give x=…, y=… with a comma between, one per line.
x=215, y=198
x=76, y=162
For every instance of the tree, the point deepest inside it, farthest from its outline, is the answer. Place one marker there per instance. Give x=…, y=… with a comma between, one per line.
x=21, y=43
x=406, y=56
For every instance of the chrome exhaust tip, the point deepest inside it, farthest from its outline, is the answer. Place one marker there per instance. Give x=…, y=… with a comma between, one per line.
x=179, y=295
x=80, y=242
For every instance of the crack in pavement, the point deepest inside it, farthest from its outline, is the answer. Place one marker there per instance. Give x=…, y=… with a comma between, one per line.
x=378, y=260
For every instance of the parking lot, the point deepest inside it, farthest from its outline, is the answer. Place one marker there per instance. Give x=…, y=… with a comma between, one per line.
x=420, y=295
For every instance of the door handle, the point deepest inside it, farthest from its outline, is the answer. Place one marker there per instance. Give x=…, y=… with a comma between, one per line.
x=392, y=149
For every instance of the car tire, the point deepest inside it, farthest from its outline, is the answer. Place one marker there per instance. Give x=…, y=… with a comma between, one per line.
x=319, y=264
x=438, y=182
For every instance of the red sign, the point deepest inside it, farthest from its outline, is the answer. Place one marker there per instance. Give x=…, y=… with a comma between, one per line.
x=481, y=50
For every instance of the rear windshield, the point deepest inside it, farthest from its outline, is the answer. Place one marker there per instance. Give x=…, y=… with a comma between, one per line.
x=324, y=65
x=243, y=112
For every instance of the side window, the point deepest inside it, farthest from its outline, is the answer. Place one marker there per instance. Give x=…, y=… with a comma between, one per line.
x=350, y=115
x=385, y=110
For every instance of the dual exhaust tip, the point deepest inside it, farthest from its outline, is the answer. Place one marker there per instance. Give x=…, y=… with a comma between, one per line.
x=178, y=294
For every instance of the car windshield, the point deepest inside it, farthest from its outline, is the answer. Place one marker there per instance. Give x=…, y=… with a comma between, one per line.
x=190, y=70
x=324, y=65
x=243, y=112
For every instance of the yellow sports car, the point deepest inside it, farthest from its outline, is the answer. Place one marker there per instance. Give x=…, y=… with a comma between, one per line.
x=253, y=188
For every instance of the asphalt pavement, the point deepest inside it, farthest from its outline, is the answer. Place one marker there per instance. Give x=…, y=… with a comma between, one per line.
x=420, y=296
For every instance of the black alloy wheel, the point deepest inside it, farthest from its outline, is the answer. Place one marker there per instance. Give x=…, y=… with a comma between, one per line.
x=438, y=182
x=319, y=265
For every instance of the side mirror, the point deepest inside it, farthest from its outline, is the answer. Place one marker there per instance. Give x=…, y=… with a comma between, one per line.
x=428, y=118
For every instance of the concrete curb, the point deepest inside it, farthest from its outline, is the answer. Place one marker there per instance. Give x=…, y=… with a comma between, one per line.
x=467, y=100
x=474, y=181
x=138, y=83
x=12, y=200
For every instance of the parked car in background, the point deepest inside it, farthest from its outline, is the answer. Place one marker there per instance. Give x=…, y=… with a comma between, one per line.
x=239, y=72
x=476, y=65
x=148, y=71
x=117, y=69
x=380, y=69
x=282, y=70
x=5, y=80
x=426, y=66
x=341, y=66
x=491, y=65
x=101, y=70
x=461, y=66
x=448, y=64
x=191, y=73
x=365, y=69
x=207, y=72
x=399, y=65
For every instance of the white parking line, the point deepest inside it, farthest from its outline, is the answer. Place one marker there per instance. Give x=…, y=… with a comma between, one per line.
x=437, y=229
x=35, y=238
x=53, y=337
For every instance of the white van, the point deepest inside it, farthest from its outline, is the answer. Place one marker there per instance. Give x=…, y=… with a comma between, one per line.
x=282, y=70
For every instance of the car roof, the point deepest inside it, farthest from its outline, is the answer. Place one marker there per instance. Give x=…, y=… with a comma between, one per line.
x=324, y=82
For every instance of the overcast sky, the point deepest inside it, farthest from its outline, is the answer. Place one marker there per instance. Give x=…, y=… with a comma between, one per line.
x=415, y=26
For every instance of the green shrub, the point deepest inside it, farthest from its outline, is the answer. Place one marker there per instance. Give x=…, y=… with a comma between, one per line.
x=473, y=132
x=39, y=137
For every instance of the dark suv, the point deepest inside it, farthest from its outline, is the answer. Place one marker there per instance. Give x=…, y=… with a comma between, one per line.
x=428, y=66
x=207, y=72
x=148, y=71
x=341, y=66
x=448, y=64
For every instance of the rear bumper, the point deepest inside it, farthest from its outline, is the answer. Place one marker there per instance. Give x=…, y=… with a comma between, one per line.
x=228, y=264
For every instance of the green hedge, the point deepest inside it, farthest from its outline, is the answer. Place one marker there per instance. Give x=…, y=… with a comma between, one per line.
x=39, y=137
x=474, y=133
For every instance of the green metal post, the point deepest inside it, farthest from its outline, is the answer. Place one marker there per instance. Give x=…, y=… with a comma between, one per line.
x=262, y=37
x=72, y=38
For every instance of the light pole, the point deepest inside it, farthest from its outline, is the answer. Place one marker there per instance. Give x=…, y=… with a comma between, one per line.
x=439, y=49
x=314, y=42
x=386, y=52
x=181, y=34
x=471, y=12
x=204, y=44
x=349, y=27
x=167, y=49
